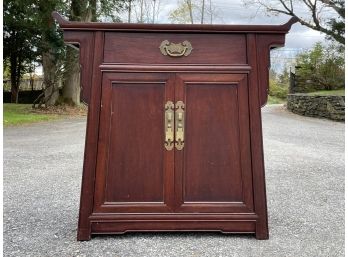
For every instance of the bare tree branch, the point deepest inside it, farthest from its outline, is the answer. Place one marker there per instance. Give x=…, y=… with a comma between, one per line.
x=314, y=14
x=315, y=23
x=285, y=6
x=308, y=4
x=334, y=6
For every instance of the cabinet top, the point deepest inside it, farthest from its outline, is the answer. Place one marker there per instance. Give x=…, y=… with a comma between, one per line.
x=196, y=28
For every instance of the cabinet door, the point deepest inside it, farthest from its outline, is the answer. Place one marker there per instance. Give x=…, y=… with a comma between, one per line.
x=134, y=169
x=213, y=170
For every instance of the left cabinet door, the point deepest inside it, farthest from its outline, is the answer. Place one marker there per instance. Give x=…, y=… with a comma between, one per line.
x=134, y=169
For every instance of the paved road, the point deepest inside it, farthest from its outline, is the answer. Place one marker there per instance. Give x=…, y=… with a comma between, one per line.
x=305, y=184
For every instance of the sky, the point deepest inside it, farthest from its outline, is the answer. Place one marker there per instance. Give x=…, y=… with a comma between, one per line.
x=234, y=12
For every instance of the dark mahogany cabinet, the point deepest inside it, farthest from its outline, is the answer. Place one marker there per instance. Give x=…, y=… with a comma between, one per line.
x=174, y=137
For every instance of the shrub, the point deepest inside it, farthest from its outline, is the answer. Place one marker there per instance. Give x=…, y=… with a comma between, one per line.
x=321, y=68
x=277, y=90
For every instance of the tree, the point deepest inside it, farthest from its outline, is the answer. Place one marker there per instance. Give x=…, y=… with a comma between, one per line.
x=284, y=77
x=192, y=11
x=323, y=66
x=84, y=11
x=279, y=84
x=145, y=11
x=79, y=11
x=183, y=14
x=272, y=74
x=326, y=16
x=20, y=41
x=6, y=69
x=52, y=50
x=30, y=37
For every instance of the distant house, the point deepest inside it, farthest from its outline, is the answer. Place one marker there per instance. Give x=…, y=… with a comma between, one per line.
x=26, y=84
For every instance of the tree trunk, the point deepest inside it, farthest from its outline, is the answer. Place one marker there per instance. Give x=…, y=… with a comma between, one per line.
x=93, y=8
x=31, y=82
x=71, y=89
x=203, y=6
x=153, y=11
x=211, y=12
x=14, y=93
x=141, y=11
x=129, y=10
x=14, y=84
x=50, y=84
x=189, y=5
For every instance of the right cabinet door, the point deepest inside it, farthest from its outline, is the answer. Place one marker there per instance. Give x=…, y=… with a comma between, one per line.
x=213, y=168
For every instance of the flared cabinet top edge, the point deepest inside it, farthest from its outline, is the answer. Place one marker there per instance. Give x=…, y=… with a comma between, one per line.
x=189, y=28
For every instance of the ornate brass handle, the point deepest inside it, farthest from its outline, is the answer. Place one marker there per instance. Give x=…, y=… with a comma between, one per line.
x=179, y=125
x=176, y=50
x=169, y=125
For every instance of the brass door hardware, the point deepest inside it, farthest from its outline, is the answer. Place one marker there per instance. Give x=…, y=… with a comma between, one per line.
x=176, y=50
x=179, y=125
x=169, y=125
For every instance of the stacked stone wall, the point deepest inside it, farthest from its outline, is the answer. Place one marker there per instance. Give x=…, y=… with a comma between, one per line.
x=330, y=107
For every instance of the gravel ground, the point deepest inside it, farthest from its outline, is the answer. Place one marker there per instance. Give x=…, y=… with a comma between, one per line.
x=304, y=160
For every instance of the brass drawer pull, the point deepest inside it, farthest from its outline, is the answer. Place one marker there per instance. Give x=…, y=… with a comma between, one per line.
x=169, y=125
x=176, y=50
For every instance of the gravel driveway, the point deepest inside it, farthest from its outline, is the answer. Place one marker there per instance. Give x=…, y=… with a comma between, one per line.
x=304, y=160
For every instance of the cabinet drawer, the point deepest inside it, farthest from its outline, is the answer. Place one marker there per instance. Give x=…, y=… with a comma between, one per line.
x=144, y=48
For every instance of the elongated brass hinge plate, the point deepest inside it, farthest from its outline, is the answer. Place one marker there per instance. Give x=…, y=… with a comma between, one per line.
x=169, y=125
x=179, y=125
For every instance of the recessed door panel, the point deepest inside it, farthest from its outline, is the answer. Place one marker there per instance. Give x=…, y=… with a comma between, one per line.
x=136, y=150
x=212, y=144
x=133, y=165
x=213, y=172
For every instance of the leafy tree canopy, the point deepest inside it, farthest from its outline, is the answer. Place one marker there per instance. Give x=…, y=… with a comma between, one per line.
x=322, y=65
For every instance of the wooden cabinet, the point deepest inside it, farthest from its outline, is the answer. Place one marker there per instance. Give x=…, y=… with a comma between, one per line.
x=174, y=138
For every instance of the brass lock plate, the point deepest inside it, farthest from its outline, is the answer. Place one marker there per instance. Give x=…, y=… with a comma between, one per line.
x=169, y=125
x=179, y=125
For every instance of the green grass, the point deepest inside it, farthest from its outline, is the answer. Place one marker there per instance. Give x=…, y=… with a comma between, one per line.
x=328, y=92
x=17, y=114
x=275, y=100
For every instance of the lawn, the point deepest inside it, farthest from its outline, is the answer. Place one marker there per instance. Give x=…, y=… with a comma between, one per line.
x=17, y=114
x=328, y=92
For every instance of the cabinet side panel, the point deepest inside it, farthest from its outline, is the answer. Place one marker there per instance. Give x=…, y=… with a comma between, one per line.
x=135, y=162
x=259, y=184
x=90, y=76
x=212, y=170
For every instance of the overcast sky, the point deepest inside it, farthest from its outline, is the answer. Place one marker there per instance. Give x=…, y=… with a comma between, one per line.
x=234, y=12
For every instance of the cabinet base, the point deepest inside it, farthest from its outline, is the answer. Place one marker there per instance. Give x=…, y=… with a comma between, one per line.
x=124, y=226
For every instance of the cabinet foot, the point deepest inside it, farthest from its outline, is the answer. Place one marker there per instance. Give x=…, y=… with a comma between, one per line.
x=262, y=236
x=261, y=231
x=84, y=235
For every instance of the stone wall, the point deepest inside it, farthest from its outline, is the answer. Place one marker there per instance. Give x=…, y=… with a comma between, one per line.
x=330, y=107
